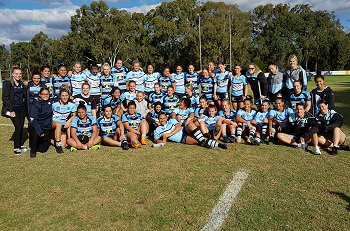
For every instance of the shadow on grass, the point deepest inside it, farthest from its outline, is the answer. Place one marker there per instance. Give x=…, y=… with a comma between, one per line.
x=25, y=136
x=342, y=196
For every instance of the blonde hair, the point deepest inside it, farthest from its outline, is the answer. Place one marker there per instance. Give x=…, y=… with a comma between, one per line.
x=293, y=56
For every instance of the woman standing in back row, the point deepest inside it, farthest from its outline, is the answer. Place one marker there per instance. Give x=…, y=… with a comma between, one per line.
x=15, y=107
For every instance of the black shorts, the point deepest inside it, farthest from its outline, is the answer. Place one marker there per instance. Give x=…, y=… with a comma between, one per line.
x=184, y=136
x=83, y=139
x=237, y=99
x=96, y=99
x=222, y=96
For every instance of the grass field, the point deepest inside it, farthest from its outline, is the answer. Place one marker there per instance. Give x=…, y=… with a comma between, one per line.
x=176, y=187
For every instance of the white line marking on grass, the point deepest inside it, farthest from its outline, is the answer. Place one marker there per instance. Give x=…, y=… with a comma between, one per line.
x=221, y=209
x=11, y=125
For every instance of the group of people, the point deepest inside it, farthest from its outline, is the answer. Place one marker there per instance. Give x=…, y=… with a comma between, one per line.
x=211, y=107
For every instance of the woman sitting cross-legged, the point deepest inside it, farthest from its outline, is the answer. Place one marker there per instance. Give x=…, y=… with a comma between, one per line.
x=84, y=131
x=111, y=129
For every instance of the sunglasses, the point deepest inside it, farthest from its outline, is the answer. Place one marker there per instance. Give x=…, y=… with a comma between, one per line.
x=251, y=68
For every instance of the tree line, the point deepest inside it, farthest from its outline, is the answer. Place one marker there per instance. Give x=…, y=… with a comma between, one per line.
x=169, y=35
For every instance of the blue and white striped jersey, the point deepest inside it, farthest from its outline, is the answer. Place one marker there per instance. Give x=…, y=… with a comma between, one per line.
x=62, y=113
x=107, y=127
x=83, y=128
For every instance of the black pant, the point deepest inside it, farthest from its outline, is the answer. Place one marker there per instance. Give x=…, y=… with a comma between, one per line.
x=38, y=143
x=18, y=122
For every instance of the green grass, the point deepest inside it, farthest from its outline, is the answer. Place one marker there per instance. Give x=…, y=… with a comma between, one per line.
x=175, y=188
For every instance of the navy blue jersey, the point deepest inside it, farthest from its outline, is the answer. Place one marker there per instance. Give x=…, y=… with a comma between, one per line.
x=120, y=77
x=107, y=83
x=107, y=127
x=49, y=85
x=83, y=128
x=33, y=92
x=207, y=87
x=114, y=103
x=194, y=100
x=58, y=82
x=62, y=113
x=134, y=121
x=77, y=80
x=155, y=97
x=164, y=82
x=170, y=103
x=200, y=111
x=228, y=116
x=192, y=78
x=294, y=98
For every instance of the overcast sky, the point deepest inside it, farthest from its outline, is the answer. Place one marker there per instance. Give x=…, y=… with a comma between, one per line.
x=20, y=20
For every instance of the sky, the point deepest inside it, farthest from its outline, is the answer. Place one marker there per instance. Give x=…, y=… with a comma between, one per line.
x=20, y=20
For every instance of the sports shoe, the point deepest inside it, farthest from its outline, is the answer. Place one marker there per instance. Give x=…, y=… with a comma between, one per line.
x=59, y=149
x=334, y=151
x=256, y=142
x=317, y=150
x=17, y=151
x=303, y=146
x=95, y=147
x=32, y=154
x=206, y=144
x=226, y=139
x=239, y=139
x=135, y=144
x=232, y=139
x=344, y=147
x=73, y=149
x=223, y=146
x=159, y=145
x=250, y=139
x=125, y=145
x=24, y=149
x=143, y=141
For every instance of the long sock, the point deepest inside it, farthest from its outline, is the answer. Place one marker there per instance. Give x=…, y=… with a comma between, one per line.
x=143, y=136
x=252, y=132
x=58, y=143
x=224, y=135
x=213, y=143
x=198, y=135
x=264, y=130
x=258, y=139
x=239, y=131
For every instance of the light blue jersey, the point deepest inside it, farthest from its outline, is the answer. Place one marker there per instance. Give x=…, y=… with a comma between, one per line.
x=83, y=128
x=183, y=113
x=222, y=80
x=138, y=77
x=114, y=103
x=282, y=116
x=237, y=85
x=134, y=121
x=77, y=81
x=168, y=128
x=207, y=87
x=94, y=81
x=179, y=80
x=150, y=80
x=108, y=127
x=248, y=116
x=61, y=112
x=155, y=97
x=260, y=116
x=210, y=121
x=294, y=99
x=128, y=96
